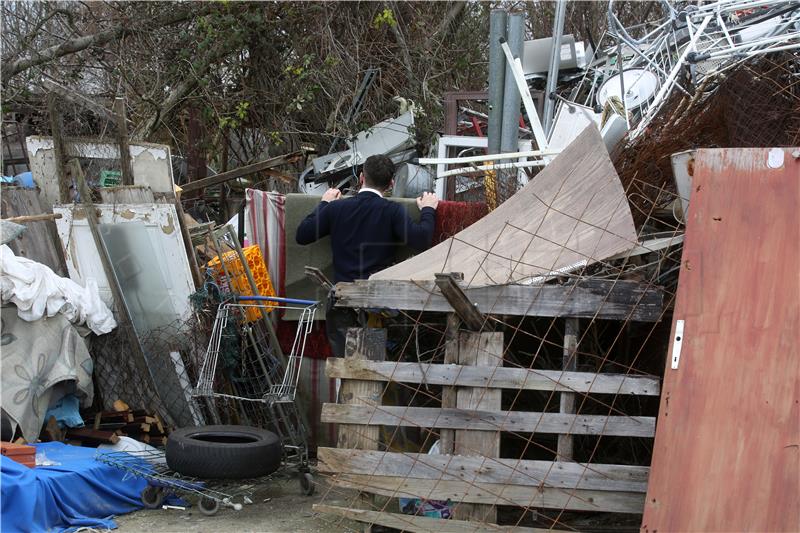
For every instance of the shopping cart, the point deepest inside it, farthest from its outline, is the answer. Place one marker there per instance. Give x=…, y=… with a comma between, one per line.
x=260, y=381
x=151, y=465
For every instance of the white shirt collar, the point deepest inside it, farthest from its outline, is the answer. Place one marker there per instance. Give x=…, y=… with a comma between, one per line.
x=370, y=189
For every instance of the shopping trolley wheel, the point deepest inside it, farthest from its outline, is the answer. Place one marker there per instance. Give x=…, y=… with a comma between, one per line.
x=307, y=483
x=153, y=497
x=208, y=506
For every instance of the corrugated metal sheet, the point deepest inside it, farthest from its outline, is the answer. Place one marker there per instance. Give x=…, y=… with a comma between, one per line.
x=727, y=446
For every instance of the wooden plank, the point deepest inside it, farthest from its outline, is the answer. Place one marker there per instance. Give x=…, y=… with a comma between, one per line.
x=93, y=435
x=484, y=350
x=602, y=299
x=122, y=139
x=514, y=421
x=134, y=194
x=574, y=211
x=502, y=378
x=494, y=494
x=56, y=127
x=447, y=436
x=241, y=171
x=33, y=218
x=567, y=400
x=726, y=456
x=40, y=240
x=466, y=311
x=421, y=524
x=563, y=475
x=370, y=344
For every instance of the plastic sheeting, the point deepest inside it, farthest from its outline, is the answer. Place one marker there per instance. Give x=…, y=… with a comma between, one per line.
x=37, y=292
x=80, y=492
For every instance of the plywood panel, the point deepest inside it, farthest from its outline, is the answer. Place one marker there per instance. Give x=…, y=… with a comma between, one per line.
x=574, y=210
x=727, y=449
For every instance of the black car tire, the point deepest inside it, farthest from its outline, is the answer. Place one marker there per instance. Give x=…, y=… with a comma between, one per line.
x=223, y=452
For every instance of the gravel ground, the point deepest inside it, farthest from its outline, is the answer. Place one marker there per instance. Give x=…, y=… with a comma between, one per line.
x=277, y=507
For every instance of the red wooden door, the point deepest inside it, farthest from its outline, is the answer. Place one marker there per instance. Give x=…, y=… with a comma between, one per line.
x=727, y=445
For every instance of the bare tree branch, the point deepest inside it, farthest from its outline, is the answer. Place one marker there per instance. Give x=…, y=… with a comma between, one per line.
x=11, y=69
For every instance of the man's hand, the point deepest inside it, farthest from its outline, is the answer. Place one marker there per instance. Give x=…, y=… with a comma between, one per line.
x=428, y=199
x=331, y=195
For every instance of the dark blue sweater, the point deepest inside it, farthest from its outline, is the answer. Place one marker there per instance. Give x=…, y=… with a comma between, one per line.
x=365, y=231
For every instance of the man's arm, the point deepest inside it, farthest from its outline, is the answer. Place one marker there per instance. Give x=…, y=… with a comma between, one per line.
x=417, y=235
x=318, y=223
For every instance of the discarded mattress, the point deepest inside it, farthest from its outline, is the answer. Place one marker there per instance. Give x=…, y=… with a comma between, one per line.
x=39, y=292
x=42, y=361
x=79, y=493
x=572, y=214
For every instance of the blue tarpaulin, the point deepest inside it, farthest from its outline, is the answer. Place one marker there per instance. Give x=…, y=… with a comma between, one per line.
x=80, y=492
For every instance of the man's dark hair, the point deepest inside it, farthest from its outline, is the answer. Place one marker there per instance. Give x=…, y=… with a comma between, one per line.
x=378, y=172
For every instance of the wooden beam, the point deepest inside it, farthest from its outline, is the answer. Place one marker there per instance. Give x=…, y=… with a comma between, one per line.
x=602, y=299
x=452, y=375
x=422, y=524
x=366, y=344
x=513, y=421
x=494, y=493
x=567, y=475
x=242, y=171
x=567, y=400
x=122, y=139
x=56, y=126
x=370, y=344
x=33, y=218
x=466, y=310
x=480, y=350
x=447, y=436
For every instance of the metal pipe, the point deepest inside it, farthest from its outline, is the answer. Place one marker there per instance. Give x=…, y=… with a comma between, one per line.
x=511, y=96
x=493, y=166
x=479, y=158
x=497, y=73
x=555, y=66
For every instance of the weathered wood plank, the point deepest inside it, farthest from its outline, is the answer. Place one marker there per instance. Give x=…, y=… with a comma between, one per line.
x=40, y=240
x=502, y=377
x=450, y=289
x=447, y=436
x=133, y=194
x=495, y=494
x=567, y=400
x=478, y=349
x=422, y=524
x=563, y=475
x=514, y=421
x=612, y=300
x=370, y=344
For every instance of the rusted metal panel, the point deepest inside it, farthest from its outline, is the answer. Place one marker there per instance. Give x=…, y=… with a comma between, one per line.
x=727, y=446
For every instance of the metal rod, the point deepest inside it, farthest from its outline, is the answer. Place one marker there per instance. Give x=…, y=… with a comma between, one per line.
x=555, y=66
x=497, y=71
x=509, y=133
x=490, y=157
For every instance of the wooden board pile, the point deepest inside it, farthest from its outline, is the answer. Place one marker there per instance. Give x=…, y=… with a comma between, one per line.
x=108, y=426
